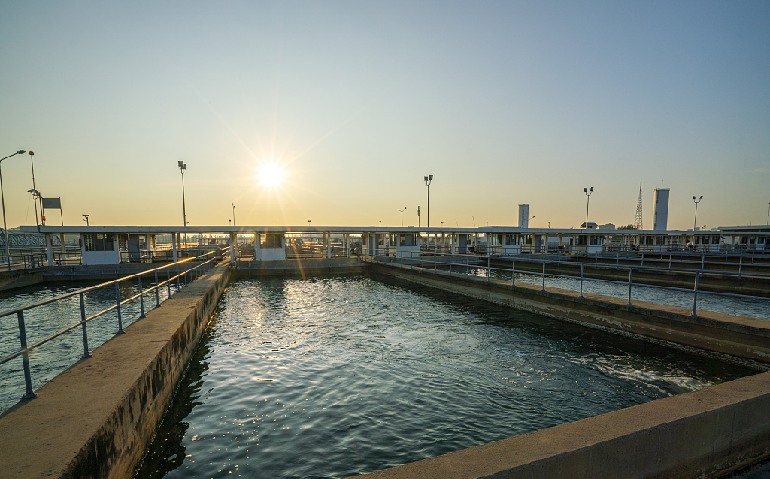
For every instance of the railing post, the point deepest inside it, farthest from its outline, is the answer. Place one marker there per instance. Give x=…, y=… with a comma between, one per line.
x=740, y=265
x=141, y=299
x=157, y=291
x=703, y=261
x=489, y=266
x=513, y=272
x=642, y=259
x=120, y=318
x=630, y=282
x=177, y=281
x=543, y=276
x=581, y=279
x=29, y=394
x=86, y=354
x=695, y=295
x=168, y=281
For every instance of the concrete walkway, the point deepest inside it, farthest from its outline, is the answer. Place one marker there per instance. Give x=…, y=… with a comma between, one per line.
x=94, y=419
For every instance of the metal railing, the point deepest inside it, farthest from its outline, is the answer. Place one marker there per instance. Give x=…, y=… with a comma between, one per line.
x=196, y=266
x=449, y=263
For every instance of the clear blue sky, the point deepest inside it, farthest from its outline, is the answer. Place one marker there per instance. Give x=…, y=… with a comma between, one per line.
x=503, y=102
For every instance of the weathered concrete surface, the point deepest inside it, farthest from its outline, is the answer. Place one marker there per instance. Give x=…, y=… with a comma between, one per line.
x=738, y=336
x=95, y=419
x=692, y=435
x=19, y=278
x=303, y=267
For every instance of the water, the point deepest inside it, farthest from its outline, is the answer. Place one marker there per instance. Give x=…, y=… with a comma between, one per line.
x=337, y=376
x=55, y=356
x=754, y=308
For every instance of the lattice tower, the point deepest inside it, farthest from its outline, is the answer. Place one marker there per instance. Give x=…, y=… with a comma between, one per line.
x=638, y=219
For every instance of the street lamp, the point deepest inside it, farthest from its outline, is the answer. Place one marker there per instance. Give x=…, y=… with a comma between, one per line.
x=588, y=199
x=2, y=199
x=85, y=218
x=183, y=166
x=34, y=188
x=402, y=216
x=233, y=213
x=428, y=179
x=696, y=201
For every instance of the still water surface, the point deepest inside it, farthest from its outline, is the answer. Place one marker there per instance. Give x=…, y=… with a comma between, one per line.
x=337, y=376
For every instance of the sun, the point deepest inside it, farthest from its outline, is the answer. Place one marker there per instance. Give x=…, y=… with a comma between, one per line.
x=270, y=175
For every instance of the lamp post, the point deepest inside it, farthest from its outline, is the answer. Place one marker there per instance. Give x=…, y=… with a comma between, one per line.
x=402, y=216
x=233, y=213
x=428, y=179
x=588, y=199
x=183, y=166
x=34, y=188
x=2, y=199
x=85, y=218
x=696, y=201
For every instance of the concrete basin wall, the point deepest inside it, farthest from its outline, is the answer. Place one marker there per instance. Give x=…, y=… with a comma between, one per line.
x=738, y=336
x=701, y=434
x=694, y=435
x=95, y=419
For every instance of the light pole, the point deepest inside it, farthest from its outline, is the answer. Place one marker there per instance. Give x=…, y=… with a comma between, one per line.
x=588, y=199
x=2, y=199
x=183, y=166
x=428, y=179
x=85, y=218
x=34, y=189
x=402, y=216
x=233, y=213
x=696, y=201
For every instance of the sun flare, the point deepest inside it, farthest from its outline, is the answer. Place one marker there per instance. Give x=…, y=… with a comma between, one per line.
x=270, y=175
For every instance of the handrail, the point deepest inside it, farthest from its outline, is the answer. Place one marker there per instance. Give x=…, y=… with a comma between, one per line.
x=434, y=259
x=201, y=263
x=90, y=288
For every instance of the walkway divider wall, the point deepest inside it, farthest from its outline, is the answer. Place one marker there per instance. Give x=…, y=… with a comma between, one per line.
x=738, y=336
x=95, y=419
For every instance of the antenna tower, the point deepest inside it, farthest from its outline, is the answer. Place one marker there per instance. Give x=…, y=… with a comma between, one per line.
x=638, y=218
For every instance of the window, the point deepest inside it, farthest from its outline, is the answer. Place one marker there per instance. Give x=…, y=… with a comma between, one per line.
x=100, y=242
x=271, y=240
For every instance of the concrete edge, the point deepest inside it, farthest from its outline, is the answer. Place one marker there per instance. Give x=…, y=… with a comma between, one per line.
x=95, y=419
x=736, y=336
x=696, y=434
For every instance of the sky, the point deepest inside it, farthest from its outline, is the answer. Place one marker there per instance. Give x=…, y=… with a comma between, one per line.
x=502, y=102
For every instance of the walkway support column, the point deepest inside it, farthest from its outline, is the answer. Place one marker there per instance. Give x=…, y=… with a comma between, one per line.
x=48, y=249
x=257, y=245
x=328, y=245
x=347, y=245
x=233, y=238
x=173, y=247
x=63, y=250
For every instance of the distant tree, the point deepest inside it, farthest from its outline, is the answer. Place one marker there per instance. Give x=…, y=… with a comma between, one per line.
x=627, y=227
